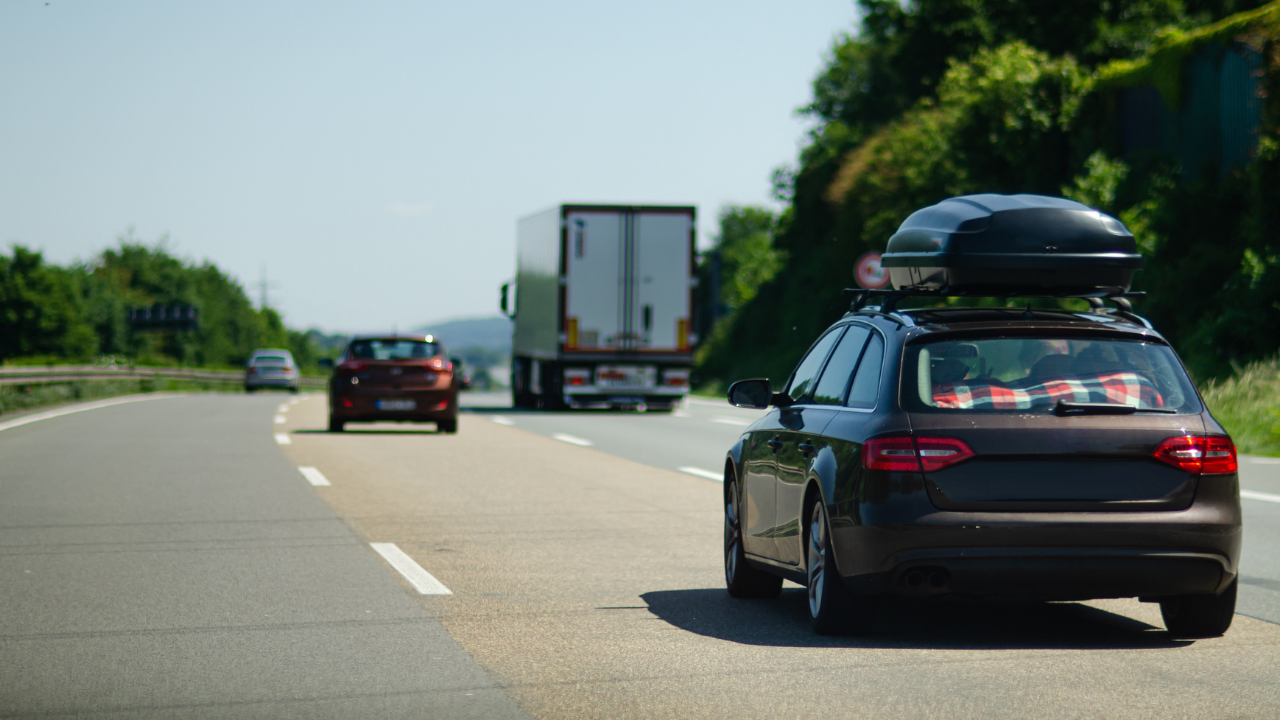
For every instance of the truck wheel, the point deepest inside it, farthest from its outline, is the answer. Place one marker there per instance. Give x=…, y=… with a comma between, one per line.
x=1200, y=616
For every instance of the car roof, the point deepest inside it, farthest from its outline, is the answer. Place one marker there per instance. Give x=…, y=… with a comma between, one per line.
x=272, y=351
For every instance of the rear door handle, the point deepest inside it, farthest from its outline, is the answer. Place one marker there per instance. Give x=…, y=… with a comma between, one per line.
x=807, y=448
x=775, y=443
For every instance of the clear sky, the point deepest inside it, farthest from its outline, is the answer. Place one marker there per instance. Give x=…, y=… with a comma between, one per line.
x=374, y=156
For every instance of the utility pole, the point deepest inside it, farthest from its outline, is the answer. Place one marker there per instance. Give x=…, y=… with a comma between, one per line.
x=263, y=289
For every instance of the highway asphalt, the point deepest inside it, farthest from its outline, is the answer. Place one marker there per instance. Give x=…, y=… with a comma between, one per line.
x=223, y=556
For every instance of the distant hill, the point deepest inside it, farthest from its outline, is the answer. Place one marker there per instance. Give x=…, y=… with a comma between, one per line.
x=491, y=333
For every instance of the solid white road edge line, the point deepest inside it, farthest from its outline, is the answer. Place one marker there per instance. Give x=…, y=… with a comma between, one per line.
x=571, y=440
x=81, y=408
x=703, y=473
x=423, y=581
x=502, y=420
x=1265, y=497
x=283, y=439
x=314, y=476
x=732, y=421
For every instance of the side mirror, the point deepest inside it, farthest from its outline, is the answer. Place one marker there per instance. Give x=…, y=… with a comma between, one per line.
x=753, y=394
x=326, y=363
x=504, y=304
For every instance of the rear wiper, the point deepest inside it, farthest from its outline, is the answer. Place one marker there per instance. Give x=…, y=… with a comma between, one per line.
x=1084, y=408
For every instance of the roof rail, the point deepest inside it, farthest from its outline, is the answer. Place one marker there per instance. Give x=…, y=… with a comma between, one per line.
x=860, y=297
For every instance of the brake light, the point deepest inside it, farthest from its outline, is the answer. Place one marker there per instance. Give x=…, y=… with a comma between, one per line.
x=897, y=454
x=251, y=370
x=905, y=453
x=439, y=363
x=351, y=366
x=346, y=402
x=939, y=452
x=1213, y=455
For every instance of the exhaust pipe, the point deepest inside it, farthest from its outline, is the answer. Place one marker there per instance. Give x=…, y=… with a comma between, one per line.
x=915, y=579
x=938, y=579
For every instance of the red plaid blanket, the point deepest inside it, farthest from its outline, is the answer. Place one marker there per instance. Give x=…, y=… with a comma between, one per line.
x=1124, y=388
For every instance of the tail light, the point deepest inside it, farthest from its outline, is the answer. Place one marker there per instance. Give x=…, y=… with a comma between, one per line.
x=251, y=370
x=439, y=363
x=1212, y=455
x=351, y=367
x=676, y=378
x=906, y=453
x=346, y=402
x=577, y=377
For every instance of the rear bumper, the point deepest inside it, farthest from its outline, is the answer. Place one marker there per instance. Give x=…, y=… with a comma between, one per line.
x=649, y=398
x=1050, y=555
x=271, y=382
x=1053, y=573
x=429, y=405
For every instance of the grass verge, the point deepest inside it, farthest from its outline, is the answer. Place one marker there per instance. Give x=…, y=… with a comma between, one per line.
x=1248, y=406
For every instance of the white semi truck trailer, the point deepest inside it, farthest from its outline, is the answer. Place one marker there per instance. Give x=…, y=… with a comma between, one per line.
x=603, y=307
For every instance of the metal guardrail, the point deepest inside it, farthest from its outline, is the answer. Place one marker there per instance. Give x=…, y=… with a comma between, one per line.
x=47, y=374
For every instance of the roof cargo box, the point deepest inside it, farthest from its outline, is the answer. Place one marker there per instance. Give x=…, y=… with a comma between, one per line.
x=1012, y=245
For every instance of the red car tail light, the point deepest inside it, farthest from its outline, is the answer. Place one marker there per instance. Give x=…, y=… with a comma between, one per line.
x=905, y=453
x=439, y=363
x=897, y=454
x=346, y=402
x=351, y=367
x=1213, y=455
x=939, y=452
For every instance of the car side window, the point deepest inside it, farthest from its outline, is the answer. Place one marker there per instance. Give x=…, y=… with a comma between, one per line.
x=801, y=387
x=866, y=382
x=835, y=378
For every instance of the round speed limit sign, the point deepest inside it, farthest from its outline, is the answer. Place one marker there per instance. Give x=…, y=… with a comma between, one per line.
x=869, y=273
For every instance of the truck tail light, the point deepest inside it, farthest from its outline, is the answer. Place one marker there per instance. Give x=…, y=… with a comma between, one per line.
x=676, y=377
x=577, y=377
x=1212, y=455
x=905, y=453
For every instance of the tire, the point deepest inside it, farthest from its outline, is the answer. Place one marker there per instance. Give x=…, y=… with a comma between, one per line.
x=294, y=389
x=447, y=426
x=249, y=389
x=335, y=425
x=832, y=608
x=1200, y=616
x=740, y=578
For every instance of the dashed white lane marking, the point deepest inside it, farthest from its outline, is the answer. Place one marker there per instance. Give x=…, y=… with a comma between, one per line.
x=279, y=419
x=283, y=439
x=572, y=440
x=502, y=420
x=703, y=473
x=1265, y=497
x=283, y=408
x=81, y=408
x=314, y=476
x=732, y=421
x=423, y=581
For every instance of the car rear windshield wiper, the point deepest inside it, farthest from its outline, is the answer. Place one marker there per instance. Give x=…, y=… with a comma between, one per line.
x=1084, y=408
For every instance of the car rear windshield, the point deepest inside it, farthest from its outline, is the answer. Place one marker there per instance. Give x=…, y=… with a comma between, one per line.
x=1031, y=374
x=270, y=360
x=392, y=349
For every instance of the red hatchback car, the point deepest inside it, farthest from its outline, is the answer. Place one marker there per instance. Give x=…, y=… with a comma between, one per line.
x=405, y=378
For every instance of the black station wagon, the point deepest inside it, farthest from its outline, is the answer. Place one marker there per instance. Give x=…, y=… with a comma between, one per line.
x=1040, y=453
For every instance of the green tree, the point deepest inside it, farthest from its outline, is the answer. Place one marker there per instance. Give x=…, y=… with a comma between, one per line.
x=40, y=310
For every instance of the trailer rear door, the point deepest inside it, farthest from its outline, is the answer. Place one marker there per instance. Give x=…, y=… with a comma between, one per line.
x=662, y=252
x=595, y=280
